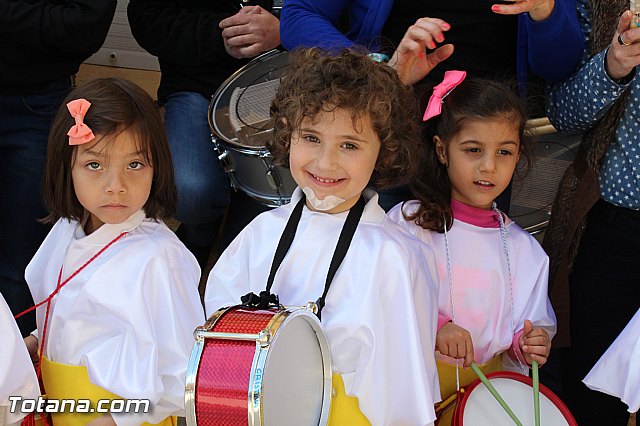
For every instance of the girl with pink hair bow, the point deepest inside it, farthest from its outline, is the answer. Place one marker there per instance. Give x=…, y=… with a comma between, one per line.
x=493, y=305
x=116, y=292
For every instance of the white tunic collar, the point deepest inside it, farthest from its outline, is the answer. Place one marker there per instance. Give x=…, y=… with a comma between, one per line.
x=108, y=232
x=372, y=213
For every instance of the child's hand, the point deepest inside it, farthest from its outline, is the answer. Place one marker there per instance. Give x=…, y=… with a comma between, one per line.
x=105, y=420
x=31, y=342
x=455, y=341
x=535, y=343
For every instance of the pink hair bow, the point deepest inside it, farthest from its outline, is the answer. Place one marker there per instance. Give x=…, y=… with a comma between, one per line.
x=79, y=133
x=451, y=80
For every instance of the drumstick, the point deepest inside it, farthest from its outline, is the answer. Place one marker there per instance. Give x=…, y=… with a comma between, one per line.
x=495, y=394
x=536, y=392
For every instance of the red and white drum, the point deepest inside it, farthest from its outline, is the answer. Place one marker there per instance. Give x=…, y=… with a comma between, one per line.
x=478, y=407
x=252, y=366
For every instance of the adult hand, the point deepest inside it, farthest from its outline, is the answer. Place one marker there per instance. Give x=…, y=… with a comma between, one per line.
x=623, y=58
x=539, y=10
x=454, y=341
x=535, y=343
x=410, y=59
x=250, y=32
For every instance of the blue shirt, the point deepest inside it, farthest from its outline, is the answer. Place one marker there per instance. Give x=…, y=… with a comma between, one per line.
x=314, y=23
x=578, y=103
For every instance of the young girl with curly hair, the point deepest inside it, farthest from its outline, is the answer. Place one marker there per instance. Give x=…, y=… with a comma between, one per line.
x=344, y=122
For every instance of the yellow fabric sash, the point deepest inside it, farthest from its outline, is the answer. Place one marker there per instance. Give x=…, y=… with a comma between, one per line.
x=62, y=381
x=344, y=408
x=447, y=377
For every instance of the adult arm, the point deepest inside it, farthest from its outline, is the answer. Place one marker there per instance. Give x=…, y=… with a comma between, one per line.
x=78, y=26
x=312, y=23
x=176, y=34
x=555, y=44
x=315, y=22
x=578, y=103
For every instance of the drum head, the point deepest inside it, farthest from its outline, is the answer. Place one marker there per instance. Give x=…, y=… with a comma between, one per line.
x=239, y=110
x=297, y=377
x=480, y=408
x=533, y=196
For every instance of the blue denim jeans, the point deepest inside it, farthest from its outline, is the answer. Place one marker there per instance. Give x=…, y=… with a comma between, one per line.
x=24, y=129
x=203, y=187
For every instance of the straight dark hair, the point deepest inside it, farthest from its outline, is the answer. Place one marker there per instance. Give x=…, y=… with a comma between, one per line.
x=117, y=105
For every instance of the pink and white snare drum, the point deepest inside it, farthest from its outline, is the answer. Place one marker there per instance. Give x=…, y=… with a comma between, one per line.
x=252, y=366
x=478, y=407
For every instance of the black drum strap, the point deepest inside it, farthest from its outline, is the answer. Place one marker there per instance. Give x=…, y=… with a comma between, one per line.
x=285, y=241
x=346, y=235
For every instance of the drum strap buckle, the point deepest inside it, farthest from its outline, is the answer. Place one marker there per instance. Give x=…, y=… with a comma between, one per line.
x=265, y=300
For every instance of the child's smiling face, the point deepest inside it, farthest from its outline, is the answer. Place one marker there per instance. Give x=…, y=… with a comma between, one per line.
x=112, y=179
x=333, y=155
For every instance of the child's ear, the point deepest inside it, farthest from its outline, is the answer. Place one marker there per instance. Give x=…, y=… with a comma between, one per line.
x=440, y=150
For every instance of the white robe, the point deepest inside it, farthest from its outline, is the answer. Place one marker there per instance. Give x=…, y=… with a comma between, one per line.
x=369, y=319
x=17, y=375
x=128, y=316
x=481, y=296
x=617, y=372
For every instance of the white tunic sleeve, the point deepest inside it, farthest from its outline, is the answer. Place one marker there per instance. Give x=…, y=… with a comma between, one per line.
x=396, y=381
x=17, y=375
x=165, y=327
x=232, y=275
x=617, y=373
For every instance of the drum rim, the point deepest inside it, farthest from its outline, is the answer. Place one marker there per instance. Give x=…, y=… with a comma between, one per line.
x=561, y=406
x=325, y=353
x=215, y=98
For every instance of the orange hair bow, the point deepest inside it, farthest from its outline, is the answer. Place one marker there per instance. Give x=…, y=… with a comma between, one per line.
x=79, y=133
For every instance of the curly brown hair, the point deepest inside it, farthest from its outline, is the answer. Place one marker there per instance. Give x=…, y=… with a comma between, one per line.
x=316, y=80
x=117, y=105
x=474, y=98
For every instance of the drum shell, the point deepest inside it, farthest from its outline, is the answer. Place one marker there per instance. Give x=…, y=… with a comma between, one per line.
x=228, y=381
x=255, y=174
x=242, y=144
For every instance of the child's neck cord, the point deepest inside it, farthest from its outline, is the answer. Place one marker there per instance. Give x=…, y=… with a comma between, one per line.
x=504, y=234
x=48, y=300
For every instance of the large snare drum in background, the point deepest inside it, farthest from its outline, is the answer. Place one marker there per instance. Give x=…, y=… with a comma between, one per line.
x=532, y=197
x=478, y=407
x=241, y=126
x=253, y=366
